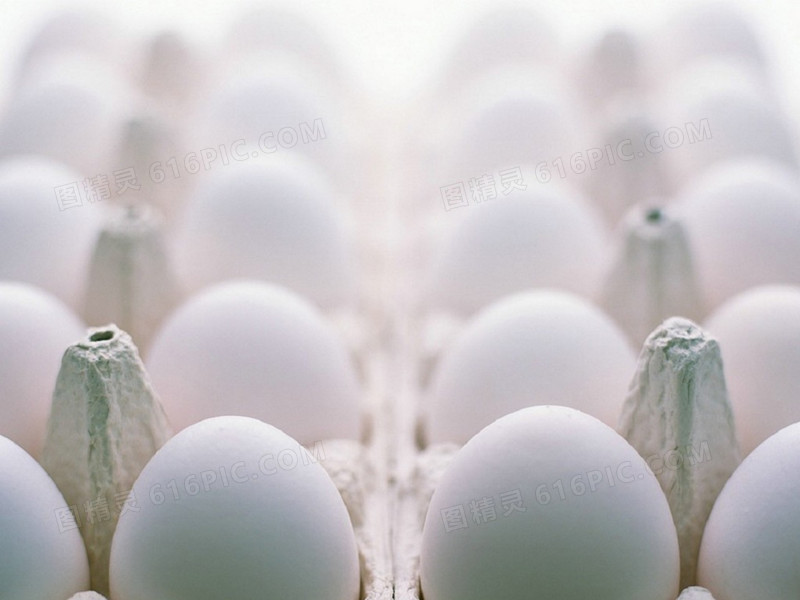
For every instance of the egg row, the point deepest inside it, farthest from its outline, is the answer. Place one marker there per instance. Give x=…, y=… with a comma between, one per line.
x=531, y=499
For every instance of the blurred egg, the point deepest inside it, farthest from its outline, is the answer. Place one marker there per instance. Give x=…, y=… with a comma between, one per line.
x=276, y=106
x=759, y=336
x=275, y=31
x=752, y=538
x=533, y=348
x=256, y=350
x=549, y=502
x=47, y=226
x=743, y=222
x=543, y=236
x=510, y=35
x=722, y=126
x=234, y=508
x=35, y=330
x=708, y=29
x=275, y=220
x=71, y=111
x=88, y=32
x=41, y=551
x=510, y=118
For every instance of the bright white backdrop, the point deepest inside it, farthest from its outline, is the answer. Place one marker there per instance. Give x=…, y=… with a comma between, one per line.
x=394, y=46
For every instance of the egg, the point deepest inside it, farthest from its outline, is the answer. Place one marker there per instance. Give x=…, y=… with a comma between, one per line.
x=541, y=347
x=275, y=30
x=511, y=118
x=234, y=508
x=257, y=350
x=83, y=31
x=543, y=236
x=759, y=335
x=708, y=29
x=47, y=229
x=752, y=539
x=71, y=111
x=276, y=105
x=725, y=125
x=274, y=220
x=743, y=223
x=41, y=550
x=548, y=502
x=501, y=36
x=35, y=330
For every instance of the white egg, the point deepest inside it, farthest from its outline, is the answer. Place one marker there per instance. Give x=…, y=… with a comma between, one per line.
x=46, y=237
x=532, y=348
x=275, y=220
x=277, y=106
x=71, y=111
x=543, y=236
x=275, y=30
x=752, y=538
x=256, y=350
x=35, y=330
x=721, y=126
x=708, y=29
x=41, y=551
x=508, y=125
x=92, y=34
x=501, y=36
x=743, y=222
x=234, y=508
x=759, y=336
x=549, y=502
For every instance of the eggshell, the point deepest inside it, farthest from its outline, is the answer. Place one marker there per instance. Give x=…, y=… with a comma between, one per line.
x=257, y=350
x=752, y=539
x=511, y=118
x=35, y=330
x=759, y=335
x=40, y=244
x=724, y=125
x=71, y=112
x=539, y=237
x=41, y=550
x=274, y=220
x=539, y=347
x=743, y=222
x=708, y=29
x=501, y=36
x=498, y=526
x=234, y=508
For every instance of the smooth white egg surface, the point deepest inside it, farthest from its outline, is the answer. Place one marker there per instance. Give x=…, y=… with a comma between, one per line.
x=538, y=237
x=47, y=227
x=743, y=222
x=759, y=336
x=549, y=502
x=35, y=330
x=234, y=508
x=41, y=551
x=752, y=539
x=257, y=350
x=274, y=220
x=540, y=347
